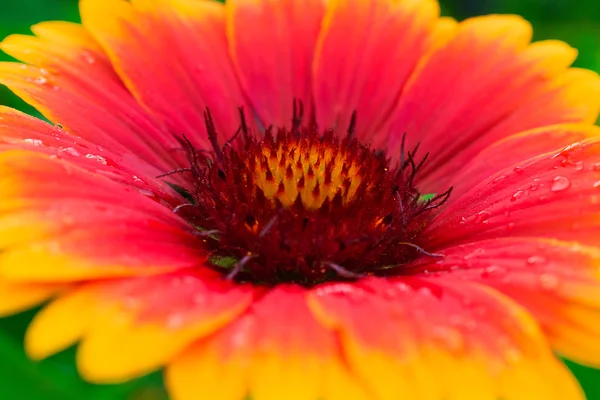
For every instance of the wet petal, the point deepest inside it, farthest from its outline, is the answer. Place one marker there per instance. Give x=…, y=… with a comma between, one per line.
x=475, y=342
x=554, y=195
x=516, y=148
x=272, y=44
x=94, y=105
x=276, y=350
x=486, y=84
x=59, y=222
x=558, y=282
x=129, y=327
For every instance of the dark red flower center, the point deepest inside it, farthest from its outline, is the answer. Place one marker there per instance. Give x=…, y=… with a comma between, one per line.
x=306, y=206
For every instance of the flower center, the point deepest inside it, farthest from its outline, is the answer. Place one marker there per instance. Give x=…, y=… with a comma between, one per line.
x=306, y=206
x=306, y=167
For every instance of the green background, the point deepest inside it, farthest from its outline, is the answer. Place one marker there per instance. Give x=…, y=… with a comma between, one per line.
x=576, y=22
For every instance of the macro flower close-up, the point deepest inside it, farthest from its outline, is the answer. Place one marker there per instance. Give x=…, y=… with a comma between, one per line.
x=303, y=200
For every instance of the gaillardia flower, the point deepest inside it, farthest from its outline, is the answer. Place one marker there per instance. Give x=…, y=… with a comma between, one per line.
x=304, y=200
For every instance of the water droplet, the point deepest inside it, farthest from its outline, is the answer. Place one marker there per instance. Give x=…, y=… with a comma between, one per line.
x=493, y=271
x=549, y=281
x=597, y=167
x=536, y=260
x=518, y=194
x=560, y=183
x=88, y=57
x=451, y=338
x=100, y=159
x=71, y=151
x=518, y=169
x=597, y=184
x=41, y=80
x=35, y=142
x=499, y=178
x=147, y=192
x=137, y=180
x=99, y=148
x=482, y=217
x=59, y=127
x=578, y=165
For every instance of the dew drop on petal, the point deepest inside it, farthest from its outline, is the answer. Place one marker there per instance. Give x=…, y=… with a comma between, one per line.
x=100, y=159
x=450, y=338
x=518, y=169
x=597, y=184
x=35, y=142
x=518, y=194
x=560, y=183
x=596, y=167
x=59, y=127
x=537, y=260
x=549, y=281
x=71, y=151
x=493, y=271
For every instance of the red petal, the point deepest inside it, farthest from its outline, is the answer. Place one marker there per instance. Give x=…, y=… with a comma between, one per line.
x=366, y=53
x=272, y=44
x=555, y=195
x=93, y=105
x=195, y=71
x=59, y=222
x=509, y=152
x=487, y=83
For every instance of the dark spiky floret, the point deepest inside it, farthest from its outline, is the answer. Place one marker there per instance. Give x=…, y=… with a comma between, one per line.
x=305, y=206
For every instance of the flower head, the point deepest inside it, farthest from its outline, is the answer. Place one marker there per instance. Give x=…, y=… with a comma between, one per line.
x=303, y=200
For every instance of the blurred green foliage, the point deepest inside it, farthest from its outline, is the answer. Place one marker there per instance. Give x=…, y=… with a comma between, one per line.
x=577, y=23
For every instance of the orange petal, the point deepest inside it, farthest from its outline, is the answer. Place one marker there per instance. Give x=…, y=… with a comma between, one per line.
x=366, y=53
x=198, y=73
x=93, y=105
x=59, y=222
x=475, y=342
x=130, y=327
x=558, y=282
x=272, y=44
x=275, y=351
x=485, y=84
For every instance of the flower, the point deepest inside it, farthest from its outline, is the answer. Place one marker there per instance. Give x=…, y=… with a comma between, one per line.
x=285, y=199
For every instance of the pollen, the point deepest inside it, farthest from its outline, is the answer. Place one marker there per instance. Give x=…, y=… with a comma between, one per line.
x=311, y=169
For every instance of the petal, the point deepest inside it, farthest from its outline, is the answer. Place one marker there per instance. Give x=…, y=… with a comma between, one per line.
x=516, y=148
x=558, y=282
x=475, y=342
x=22, y=131
x=272, y=44
x=387, y=39
x=59, y=222
x=485, y=84
x=275, y=351
x=130, y=327
x=554, y=195
x=94, y=104
x=17, y=297
x=198, y=73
